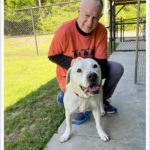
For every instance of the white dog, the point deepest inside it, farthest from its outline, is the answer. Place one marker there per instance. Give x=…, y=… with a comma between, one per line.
x=84, y=93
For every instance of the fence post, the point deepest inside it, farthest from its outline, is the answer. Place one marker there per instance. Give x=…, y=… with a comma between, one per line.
x=34, y=32
x=121, y=31
x=144, y=29
x=114, y=11
x=110, y=25
x=137, y=35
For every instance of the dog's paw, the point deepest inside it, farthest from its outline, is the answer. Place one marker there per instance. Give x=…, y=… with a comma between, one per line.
x=103, y=113
x=103, y=136
x=64, y=137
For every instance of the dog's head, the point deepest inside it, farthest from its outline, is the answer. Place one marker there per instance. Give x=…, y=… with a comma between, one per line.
x=85, y=77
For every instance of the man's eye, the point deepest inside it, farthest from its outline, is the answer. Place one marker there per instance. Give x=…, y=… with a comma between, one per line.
x=79, y=70
x=96, y=18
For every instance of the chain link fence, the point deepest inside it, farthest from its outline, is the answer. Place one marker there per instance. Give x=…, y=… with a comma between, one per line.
x=140, y=61
x=126, y=33
x=28, y=32
x=125, y=30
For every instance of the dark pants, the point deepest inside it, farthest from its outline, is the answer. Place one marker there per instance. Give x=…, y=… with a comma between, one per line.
x=114, y=73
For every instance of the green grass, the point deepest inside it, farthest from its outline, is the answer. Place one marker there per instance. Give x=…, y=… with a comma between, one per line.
x=14, y=49
x=24, y=75
x=32, y=114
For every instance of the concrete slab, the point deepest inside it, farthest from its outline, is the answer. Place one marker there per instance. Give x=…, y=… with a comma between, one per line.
x=90, y=143
x=126, y=128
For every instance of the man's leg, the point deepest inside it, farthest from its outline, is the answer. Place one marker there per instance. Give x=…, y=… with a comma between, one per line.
x=114, y=73
x=60, y=97
x=78, y=116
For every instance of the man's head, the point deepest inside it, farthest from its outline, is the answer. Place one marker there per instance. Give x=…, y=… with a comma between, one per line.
x=89, y=13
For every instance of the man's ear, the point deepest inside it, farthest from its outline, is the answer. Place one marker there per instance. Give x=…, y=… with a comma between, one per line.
x=101, y=15
x=78, y=10
x=68, y=76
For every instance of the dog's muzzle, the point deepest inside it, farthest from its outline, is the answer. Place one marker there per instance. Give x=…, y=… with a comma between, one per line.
x=94, y=87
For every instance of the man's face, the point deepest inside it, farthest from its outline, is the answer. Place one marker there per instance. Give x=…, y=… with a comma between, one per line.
x=89, y=15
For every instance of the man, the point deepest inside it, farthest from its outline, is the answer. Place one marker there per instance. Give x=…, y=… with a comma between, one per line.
x=80, y=38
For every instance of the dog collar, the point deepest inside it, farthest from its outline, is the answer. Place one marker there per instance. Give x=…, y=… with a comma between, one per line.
x=77, y=94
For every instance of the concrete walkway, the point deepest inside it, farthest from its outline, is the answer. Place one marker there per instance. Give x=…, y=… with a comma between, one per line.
x=126, y=128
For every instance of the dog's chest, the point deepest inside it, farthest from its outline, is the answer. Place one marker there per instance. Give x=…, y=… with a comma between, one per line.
x=85, y=105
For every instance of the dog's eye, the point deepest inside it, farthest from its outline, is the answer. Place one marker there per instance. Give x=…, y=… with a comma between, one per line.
x=95, y=66
x=79, y=70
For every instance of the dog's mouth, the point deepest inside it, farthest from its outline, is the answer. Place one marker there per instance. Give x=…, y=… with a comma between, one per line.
x=94, y=89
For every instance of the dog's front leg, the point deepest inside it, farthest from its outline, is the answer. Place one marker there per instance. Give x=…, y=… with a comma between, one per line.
x=67, y=133
x=103, y=113
x=102, y=134
x=101, y=102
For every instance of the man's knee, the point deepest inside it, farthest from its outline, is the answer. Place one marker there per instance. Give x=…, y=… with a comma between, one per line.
x=120, y=69
x=115, y=68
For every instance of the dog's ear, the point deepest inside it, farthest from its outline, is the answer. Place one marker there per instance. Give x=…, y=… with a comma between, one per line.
x=68, y=76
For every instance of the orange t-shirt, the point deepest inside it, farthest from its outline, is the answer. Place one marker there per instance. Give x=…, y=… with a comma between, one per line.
x=69, y=42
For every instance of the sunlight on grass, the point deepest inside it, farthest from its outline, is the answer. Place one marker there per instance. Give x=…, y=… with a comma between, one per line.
x=24, y=75
x=31, y=115
x=25, y=46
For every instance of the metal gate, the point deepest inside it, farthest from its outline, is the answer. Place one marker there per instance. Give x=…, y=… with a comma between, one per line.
x=125, y=39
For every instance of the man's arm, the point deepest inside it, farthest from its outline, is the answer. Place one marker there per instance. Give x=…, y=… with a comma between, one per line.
x=61, y=60
x=64, y=61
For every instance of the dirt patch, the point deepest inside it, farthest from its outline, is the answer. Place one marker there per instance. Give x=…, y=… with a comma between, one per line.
x=13, y=114
x=12, y=137
x=31, y=126
x=31, y=41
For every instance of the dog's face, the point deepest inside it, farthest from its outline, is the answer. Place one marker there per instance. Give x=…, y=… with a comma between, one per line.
x=85, y=77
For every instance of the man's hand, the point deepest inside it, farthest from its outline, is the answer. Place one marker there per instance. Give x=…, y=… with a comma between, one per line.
x=75, y=60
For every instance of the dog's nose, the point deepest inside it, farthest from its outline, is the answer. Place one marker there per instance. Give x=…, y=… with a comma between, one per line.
x=92, y=76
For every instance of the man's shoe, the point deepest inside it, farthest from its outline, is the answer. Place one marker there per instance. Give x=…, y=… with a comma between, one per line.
x=60, y=97
x=108, y=108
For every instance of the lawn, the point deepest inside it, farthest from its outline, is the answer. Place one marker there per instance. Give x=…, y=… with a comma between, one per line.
x=25, y=75
x=25, y=46
x=32, y=114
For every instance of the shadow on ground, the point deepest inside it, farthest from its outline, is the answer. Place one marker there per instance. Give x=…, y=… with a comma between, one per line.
x=29, y=123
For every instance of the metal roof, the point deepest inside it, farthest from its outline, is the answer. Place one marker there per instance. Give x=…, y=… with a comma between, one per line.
x=128, y=2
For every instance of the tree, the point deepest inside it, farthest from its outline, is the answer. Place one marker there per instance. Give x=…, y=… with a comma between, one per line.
x=40, y=10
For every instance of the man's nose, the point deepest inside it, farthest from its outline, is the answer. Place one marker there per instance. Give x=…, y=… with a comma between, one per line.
x=90, y=22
